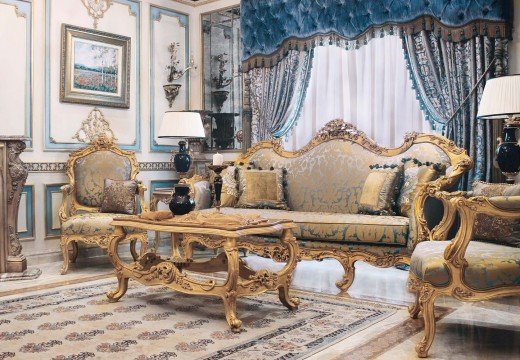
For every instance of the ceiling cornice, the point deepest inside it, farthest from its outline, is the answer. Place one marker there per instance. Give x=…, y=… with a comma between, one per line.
x=195, y=3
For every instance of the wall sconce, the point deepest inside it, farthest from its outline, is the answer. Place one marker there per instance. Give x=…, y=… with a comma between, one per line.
x=174, y=73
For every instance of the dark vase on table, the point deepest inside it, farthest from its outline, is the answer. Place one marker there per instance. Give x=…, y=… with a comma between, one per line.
x=181, y=202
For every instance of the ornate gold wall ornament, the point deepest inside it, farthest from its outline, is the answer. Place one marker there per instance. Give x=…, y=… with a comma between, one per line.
x=94, y=127
x=97, y=9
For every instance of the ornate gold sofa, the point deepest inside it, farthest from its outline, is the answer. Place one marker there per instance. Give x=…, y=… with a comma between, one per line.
x=462, y=268
x=80, y=216
x=324, y=184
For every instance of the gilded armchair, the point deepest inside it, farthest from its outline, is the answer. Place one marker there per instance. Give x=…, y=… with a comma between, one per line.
x=464, y=268
x=80, y=212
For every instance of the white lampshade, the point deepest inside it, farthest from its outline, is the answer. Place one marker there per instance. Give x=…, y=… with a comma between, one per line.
x=501, y=98
x=181, y=124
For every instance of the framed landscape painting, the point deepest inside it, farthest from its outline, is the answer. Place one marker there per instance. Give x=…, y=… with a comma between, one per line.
x=95, y=67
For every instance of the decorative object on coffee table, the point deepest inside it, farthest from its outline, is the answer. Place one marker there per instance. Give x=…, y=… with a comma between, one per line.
x=212, y=230
x=13, y=174
x=181, y=202
x=184, y=125
x=500, y=101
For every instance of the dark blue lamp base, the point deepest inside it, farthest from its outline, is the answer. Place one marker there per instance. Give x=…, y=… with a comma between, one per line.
x=182, y=159
x=508, y=153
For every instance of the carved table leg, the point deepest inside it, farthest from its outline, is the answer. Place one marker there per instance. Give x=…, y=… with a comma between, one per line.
x=122, y=287
x=133, y=251
x=118, y=236
x=176, y=253
x=230, y=297
x=288, y=240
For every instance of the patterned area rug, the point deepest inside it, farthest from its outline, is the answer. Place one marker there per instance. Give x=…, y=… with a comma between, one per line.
x=77, y=322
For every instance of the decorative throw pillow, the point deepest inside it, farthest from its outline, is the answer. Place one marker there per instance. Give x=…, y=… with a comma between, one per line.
x=262, y=189
x=119, y=196
x=380, y=190
x=415, y=173
x=229, y=194
x=495, y=229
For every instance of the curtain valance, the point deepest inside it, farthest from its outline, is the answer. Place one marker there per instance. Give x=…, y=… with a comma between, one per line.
x=270, y=28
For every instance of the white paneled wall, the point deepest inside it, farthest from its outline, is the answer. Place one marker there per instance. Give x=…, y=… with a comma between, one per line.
x=30, y=54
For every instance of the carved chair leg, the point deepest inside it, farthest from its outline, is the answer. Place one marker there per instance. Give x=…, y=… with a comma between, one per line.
x=65, y=252
x=135, y=256
x=74, y=251
x=415, y=309
x=289, y=302
x=348, y=277
x=427, y=300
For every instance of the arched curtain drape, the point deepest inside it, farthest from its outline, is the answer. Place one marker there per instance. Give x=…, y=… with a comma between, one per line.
x=447, y=45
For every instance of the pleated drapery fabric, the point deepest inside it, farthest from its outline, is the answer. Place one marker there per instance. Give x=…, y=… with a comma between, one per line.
x=277, y=93
x=368, y=87
x=444, y=73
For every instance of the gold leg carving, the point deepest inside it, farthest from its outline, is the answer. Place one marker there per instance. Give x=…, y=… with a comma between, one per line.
x=285, y=275
x=64, y=243
x=74, y=251
x=133, y=251
x=348, y=277
x=415, y=309
x=144, y=244
x=427, y=300
x=414, y=286
x=230, y=297
x=122, y=287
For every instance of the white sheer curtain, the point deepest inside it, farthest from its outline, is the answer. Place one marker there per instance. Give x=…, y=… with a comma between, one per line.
x=368, y=87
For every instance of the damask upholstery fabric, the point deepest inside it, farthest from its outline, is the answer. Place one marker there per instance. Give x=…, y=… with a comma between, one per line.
x=266, y=24
x=342, y=228
x=261, y=189
x=91, y=224
x=444, y=74
x=91, y=171
x=330, y=177
x=119, y=197
x=202, y=195
x=489, y=265
x=380, y=190
x=414, y=174
x=492, y=228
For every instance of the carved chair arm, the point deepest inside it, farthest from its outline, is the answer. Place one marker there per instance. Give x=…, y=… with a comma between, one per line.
x=430, y=189
x=141, y=189
x=441, y=230
x=468, y=209
x=66, y=191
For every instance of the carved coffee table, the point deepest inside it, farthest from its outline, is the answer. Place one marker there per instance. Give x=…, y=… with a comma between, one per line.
x=213, y=230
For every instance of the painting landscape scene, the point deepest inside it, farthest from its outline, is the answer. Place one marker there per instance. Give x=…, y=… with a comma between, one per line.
x=95, y=67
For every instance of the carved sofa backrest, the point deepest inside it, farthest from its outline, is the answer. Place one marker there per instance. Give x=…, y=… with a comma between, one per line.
x=328, y=174
x=88, y=168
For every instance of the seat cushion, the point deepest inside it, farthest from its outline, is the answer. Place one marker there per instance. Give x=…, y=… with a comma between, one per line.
x=353, y=228
x=489, y=265
x=91, y=224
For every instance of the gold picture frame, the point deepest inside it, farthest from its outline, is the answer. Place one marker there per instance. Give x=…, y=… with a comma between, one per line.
x=95, y=67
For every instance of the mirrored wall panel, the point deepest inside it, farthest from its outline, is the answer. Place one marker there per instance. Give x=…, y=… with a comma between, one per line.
x=222, y=79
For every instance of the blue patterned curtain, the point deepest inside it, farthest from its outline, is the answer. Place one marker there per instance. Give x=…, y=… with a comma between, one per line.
x=444, y=73
x=277, y=94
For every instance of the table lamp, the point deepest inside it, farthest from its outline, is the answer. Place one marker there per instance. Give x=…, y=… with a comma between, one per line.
x=501, y=100
x=183, y=125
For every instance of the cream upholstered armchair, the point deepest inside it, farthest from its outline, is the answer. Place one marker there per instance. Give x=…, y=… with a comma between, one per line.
x=481, y=262
x=80, y=212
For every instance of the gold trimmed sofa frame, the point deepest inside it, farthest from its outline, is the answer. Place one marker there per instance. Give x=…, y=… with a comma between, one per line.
x=340, y=130
x=455, y=262
x=70, y=205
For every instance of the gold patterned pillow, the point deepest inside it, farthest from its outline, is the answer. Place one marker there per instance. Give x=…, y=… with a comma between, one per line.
x=415, y=173
x=495, y=229
x=119, y=197
x=380, y=190
x=262, y=189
